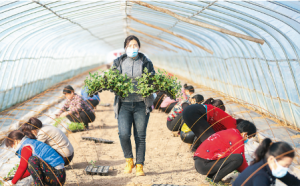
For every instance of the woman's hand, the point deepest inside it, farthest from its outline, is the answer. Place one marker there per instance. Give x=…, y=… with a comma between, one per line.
x=57, y=115
x=64, y=114
x=8, y=183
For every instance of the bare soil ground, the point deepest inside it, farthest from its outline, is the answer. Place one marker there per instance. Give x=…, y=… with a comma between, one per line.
x=168, y=160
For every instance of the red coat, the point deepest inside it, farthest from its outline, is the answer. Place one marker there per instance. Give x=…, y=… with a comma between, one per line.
x=221, y=145
x=222, y=119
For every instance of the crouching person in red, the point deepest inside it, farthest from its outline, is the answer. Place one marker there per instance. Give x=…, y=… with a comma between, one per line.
x=37, y=159
x=223, y=152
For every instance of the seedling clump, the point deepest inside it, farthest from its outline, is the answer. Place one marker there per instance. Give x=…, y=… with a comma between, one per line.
x=149, y=84
x=73, y=126
x=122, y=85
x=112, y=80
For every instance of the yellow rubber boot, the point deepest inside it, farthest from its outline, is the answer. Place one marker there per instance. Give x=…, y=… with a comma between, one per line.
x=129, y=166
x=139, y=170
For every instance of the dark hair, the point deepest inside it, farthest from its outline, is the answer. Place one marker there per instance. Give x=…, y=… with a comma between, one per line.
x=238, y=121
x=12, y=136
x=158, y=100
x=68, y=89
x=32, y=124
x=267, y=148
x=199, y=98
x=247, y=126
x=190, y=88
x=217, y=103
x=129, y=38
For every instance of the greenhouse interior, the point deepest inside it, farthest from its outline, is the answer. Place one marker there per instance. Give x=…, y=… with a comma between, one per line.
x=149, y=93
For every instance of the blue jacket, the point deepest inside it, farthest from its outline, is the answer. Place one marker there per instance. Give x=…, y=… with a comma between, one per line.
x=85, y=95
x=263, y=177
x=43, y=151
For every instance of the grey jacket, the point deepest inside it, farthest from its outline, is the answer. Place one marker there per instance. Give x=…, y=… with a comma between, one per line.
x=146, y=63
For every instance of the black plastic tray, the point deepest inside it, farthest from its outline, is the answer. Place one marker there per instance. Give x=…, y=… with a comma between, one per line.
x=164, y=185
x=98, y=140
x=97, y=170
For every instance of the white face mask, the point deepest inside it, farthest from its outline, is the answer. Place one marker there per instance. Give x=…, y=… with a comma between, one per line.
x=154, y=95
x=132, y=52
x=280, y=171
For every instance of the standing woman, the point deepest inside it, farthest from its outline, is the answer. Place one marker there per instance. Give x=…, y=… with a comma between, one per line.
x=134, y=110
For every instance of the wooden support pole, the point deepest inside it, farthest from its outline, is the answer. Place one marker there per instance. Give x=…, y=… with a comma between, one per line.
x=156, y=44
x=133, y=29
x=198, y=23
x=172, y=33
x=152, y=46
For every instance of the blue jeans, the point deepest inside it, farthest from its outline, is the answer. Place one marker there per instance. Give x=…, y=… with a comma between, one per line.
x=133, y=114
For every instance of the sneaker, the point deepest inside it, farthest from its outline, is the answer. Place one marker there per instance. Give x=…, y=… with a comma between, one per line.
x=129, y=166
x=139, y=170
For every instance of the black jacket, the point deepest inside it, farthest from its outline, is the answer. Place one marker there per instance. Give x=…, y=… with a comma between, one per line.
x=263, y=177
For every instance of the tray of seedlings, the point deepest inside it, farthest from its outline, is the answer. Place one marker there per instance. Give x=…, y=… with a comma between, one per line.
x=122, y=85
x=96, y=170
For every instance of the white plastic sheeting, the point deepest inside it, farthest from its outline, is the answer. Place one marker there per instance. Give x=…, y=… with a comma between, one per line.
x=39, y=48
x=44, y=42
x=265, y=76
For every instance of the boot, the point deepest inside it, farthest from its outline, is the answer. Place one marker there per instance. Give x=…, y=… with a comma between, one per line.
x=139, y=170
x=129, y=166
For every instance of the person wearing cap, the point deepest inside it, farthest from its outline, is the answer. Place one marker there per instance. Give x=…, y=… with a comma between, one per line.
x=76, y=109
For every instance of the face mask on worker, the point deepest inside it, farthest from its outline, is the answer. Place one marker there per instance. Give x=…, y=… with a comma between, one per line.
x=154, y=95
x=280, y=171
x=132, y=52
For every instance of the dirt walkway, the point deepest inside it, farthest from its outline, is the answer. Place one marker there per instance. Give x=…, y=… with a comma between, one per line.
x=168, y=160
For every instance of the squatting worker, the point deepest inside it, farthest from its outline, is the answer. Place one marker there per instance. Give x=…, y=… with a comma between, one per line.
x=133, y=110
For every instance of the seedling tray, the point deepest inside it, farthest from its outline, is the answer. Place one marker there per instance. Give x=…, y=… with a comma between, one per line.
x=97, y=170
x=98, y=140
x=164, y=185
x=77, y=130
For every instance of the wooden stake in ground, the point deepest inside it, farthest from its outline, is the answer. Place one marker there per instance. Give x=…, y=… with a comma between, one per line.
x=201, y=24
x=133, y=29
x=172, y=33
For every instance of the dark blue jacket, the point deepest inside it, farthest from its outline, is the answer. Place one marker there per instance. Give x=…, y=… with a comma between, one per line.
x=85, y=95
x=263, y=177
x=43, y=151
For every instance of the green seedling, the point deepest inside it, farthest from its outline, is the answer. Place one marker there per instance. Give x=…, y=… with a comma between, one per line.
x=111, y=80
x=149, y=84
x=122, y=85
x=11, y=172
x=73, y=126
x=58, y=121
x=93, y=163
